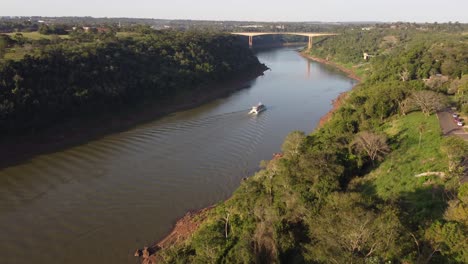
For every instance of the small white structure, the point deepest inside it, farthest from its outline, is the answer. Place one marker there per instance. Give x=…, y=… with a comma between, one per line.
x=257, y=109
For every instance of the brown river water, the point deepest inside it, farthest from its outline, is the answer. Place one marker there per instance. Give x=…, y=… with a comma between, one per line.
x=98, y=202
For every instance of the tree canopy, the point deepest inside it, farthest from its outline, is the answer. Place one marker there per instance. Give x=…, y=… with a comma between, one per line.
x=63, y=78
x=350, y=192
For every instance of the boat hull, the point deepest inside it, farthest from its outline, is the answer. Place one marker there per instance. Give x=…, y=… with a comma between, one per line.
x=257, y=111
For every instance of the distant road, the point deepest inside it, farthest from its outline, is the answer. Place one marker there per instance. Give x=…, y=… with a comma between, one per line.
x=449, y=127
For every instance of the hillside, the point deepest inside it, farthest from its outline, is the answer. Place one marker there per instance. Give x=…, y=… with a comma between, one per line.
x=378, y=183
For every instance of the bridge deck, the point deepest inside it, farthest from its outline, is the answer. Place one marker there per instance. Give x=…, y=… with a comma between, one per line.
x=305, y=34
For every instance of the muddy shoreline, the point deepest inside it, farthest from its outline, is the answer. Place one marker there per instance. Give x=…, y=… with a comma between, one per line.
x=182, y=230
x=349, y=72
x=73, y=132
x=190, y=222
x=337, y=102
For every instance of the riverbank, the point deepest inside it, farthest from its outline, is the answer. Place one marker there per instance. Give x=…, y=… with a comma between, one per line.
x=336, y=104
x=342, y=97
x=76, y=131
x=187, y=225
x=351, y=74
x=183, y=229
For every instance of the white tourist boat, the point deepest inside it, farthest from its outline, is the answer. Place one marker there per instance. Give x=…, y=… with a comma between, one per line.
x=257, y=109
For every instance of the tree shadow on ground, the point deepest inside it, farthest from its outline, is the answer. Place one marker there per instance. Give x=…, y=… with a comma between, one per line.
x=423, y=206
x=418, y=208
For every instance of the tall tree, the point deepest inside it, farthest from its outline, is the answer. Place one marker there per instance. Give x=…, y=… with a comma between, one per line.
x=372, y=144
x=426, y=101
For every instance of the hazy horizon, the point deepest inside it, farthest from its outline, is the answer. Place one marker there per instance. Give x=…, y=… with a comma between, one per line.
x=252, y=11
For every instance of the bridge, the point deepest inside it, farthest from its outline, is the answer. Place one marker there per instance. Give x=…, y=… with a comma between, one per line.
x=310, y=35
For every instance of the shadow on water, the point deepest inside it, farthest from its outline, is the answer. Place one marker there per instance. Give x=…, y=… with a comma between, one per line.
x=127, y=189
x=27, y=182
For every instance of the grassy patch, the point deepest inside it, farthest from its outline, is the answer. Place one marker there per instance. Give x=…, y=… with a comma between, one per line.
x=128, y=34
x=36, y=35
x=15, y=54
x=396, y=175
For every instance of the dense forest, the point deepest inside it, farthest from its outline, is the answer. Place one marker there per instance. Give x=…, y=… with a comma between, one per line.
x=44, y=81
x=378, y=183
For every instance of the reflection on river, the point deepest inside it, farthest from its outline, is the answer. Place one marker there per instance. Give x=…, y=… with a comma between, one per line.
x=97, y=202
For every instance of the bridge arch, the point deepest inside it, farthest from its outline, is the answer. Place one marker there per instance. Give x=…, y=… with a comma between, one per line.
x=310, y=35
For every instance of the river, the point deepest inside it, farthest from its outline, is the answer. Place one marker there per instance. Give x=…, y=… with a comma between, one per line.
x=98, y=202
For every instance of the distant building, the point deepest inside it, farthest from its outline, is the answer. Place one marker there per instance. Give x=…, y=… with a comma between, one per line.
x=102, y=30
x=367, y=28
x=92, y=29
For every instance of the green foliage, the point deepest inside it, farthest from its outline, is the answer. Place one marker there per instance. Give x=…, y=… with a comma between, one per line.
x=4, y=39
x=450, y=237
x=52, y=29
x=349, y=228
x=326, y=202
x=396, y=175
x=348, y=47
x=77, y=79
x=459, y=87
x=428, y=102
x=397, y=54
x=457, y=154
x=292, y=144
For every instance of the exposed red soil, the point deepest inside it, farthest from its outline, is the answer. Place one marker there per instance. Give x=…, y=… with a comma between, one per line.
x=183, y=229
x=336, y=104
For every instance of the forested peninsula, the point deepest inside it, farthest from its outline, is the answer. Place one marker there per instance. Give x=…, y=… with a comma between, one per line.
x=377, y=183
x=52, y=86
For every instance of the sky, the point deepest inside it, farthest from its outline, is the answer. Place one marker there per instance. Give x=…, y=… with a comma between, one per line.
x=248, y=10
